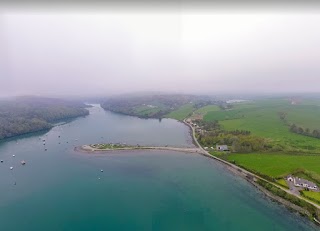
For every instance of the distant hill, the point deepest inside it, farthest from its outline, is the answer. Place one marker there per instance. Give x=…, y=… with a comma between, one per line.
x=21, y=115
x=153, y=106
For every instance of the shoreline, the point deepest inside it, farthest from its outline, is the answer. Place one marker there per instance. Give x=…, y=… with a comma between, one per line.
x=236, y=171
x=53, y=124
x=252, y=179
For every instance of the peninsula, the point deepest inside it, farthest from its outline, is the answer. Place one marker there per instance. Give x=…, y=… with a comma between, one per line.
x=100, y=148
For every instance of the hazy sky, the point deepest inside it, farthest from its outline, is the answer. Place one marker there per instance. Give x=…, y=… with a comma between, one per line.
x=105, y=52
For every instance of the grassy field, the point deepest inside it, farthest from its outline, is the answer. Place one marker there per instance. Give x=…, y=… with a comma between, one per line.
x=277, y=165
x=210, y=108
x=182, y=112
x=223, y=115
x=283, y=183
x=146, y=111
x=262, y=119
x=306, y=116
x=315, y=196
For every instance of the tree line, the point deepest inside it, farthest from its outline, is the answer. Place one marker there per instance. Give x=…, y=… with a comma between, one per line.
x=298, y=129
x=307, y=132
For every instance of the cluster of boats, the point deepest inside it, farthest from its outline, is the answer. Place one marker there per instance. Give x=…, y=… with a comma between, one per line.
x=23, y=162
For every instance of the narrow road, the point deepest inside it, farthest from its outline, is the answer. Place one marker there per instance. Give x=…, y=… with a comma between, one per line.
x=204, y=152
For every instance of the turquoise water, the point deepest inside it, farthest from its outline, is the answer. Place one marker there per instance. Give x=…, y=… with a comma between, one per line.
x=59, y=189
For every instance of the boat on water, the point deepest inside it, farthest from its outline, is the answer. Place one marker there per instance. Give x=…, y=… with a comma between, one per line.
x=11, y=168
x=23, y=162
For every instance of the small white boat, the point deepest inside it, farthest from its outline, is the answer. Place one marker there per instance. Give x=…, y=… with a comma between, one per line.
x=1, y=161
x=23, y=162
x=11, y=168
x=101, y=170
x=13, y=155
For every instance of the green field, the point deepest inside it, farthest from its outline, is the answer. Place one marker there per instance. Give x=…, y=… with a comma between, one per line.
x=277, y=165
x=223, y=115
x=146, y=111
x=182, y=112
x=210, y=108
x=283, y=183
x=306, y=116
x=315, y=196
x=262, y=119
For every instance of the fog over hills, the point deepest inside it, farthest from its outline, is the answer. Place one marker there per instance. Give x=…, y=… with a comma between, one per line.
x=106, y=52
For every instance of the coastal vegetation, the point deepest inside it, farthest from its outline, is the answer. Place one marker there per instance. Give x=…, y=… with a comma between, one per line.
x=23, y=115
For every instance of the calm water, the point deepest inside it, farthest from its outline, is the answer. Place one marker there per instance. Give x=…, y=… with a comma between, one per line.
x=59, y=189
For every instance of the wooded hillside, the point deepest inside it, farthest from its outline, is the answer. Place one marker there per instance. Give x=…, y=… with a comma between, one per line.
x=29, y=114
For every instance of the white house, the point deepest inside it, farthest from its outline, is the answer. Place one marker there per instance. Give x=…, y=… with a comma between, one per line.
x=222, y=147
x=298, y=182
x=290, y=178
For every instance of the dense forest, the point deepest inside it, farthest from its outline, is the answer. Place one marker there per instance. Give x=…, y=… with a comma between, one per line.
x=22, y=115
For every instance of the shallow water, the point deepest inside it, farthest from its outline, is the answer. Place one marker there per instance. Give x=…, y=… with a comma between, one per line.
x=59, y=189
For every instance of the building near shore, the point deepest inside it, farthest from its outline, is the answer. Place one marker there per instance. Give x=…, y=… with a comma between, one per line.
x=299, y=182
x=222, y=147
